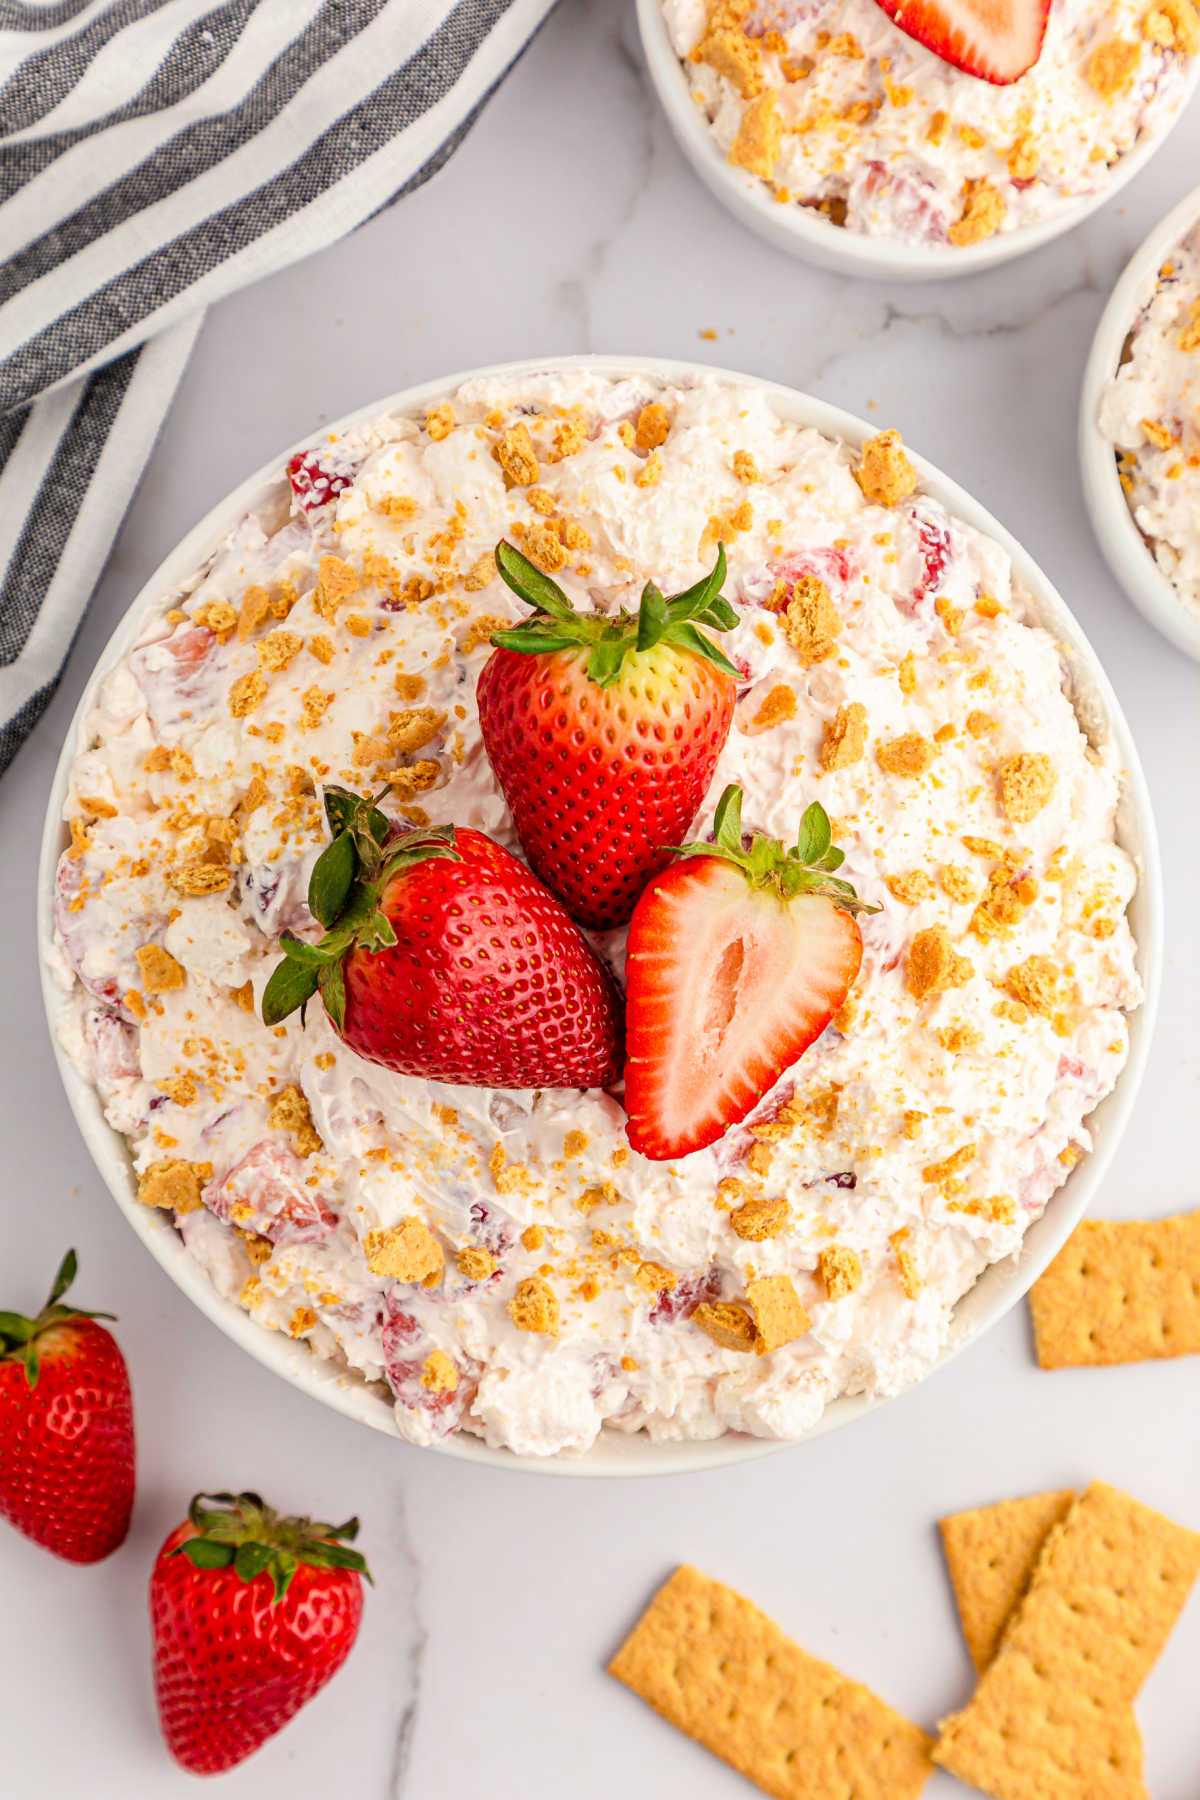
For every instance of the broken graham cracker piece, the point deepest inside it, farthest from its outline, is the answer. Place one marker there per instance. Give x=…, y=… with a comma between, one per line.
x=1052, y=1715
x=779, y=1318
x=406, y=1252
x=991, y=1553
x=724, y=1674
x=1119, y=1292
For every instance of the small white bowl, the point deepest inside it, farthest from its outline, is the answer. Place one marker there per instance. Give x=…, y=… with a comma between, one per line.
x=1125, y=549
x=998, y=1289
x=806, y=234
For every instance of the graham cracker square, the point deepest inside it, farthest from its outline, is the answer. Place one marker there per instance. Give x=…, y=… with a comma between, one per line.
x=1120, y=1292
x=722, y=1672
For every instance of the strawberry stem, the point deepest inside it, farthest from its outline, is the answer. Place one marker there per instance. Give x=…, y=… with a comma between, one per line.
x=19, y=1335
x=344, y=891
x=807, y=868
x=610, y=638
x=241, y=1532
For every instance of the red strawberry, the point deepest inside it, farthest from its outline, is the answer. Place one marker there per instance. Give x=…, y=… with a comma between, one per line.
x=251, y=1615
x=444, y=957
x=604, y=732
x=997, y=40
x=312, y=483
x=66, y=1428
x=737, y=959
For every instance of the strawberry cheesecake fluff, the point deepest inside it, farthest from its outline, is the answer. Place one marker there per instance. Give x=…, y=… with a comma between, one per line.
x=834, y=108
x=502, y=1262
x=1150, y=413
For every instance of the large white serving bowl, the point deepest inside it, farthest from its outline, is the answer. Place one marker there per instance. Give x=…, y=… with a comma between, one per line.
x=999, y=1288
x=1125, y=549
x=806, y=234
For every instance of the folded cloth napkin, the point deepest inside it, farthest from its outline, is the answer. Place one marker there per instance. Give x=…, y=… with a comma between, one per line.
x=155, y=155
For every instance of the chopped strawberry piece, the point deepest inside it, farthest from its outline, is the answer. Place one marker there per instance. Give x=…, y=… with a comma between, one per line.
x=935, y=554
x=313, y=484
x=405, y=1352
x=265, y=1193
x=681, y=1301
x=995, y=42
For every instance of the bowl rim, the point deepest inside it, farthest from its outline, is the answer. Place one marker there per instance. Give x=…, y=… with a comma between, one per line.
x=808, y=235
x=1125, y=550
x=999, y=1287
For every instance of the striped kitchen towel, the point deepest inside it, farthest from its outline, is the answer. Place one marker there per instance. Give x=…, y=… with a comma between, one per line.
x=155, y=155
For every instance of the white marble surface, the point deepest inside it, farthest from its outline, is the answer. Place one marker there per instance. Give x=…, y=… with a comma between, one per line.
x=568, y=222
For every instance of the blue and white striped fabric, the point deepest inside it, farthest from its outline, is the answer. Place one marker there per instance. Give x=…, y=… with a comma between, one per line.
x=154, y=156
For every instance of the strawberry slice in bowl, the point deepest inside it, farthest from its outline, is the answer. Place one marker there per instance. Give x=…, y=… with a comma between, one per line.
x=738, y=957
x=995, y=40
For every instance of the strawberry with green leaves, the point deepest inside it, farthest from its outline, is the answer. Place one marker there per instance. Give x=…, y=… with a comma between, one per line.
x=604, y=730
x=251, y=1614
x=66, y=1428
x=443, y=957
x=739, y=955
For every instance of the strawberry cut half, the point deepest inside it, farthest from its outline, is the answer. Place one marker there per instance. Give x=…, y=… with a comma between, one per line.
x=994, y=40
x=738, y=957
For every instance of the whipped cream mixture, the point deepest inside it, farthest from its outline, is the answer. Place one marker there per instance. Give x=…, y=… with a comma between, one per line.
x=831, y=106
x=1150, y=412
x=891, y=670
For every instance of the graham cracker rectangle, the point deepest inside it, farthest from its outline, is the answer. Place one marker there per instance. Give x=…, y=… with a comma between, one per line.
x=991, y=1553
x=1120, y=1292
x=1052, y=1713
x=722, y=1672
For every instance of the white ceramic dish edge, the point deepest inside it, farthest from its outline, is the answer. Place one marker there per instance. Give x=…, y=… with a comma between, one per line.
x=815, y=239
x=1125, y=550
x=998, y=1289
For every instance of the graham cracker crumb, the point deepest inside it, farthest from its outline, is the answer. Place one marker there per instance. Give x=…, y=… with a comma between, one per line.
x=845, y=737
x=728, y=50
x=760, y=1219
x=161, y=974
x=778, y=706
x=744, y=467
x=910, y=889
x=726, y=1323
x=760, y=136
x=1112, y=66
x=1035, y=983
x=1026, y=782
x=906, y=1264
x=534, y=1307
x=984, y=209
x=476, y=1265
x=911, y=755
x=247, y=693
x=517, y=457
x=533, y=1237
x=653, y=426
x=779, y=1318
x=337, y=581
x=1173, y=25
x=174, y=1184
x=405, y=1252
x=439, y=1375
x=810, y=620
x=198, y=879
x=934, y=965
x=958, y=884
x=884, y=473
x=439, y=421
x=840, y=1270
x=290, y=1112
x=277, y=650
x=256, y=603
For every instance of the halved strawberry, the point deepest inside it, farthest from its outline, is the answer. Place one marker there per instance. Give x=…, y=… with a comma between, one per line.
x=738, y=958
x=604, y=731
x=995, y=40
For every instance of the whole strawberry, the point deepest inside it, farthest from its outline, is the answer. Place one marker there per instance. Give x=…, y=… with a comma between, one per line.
x=445, y=958
x=738, y=957
x=66, y=1428
x=604, y=732
x=251, y=1614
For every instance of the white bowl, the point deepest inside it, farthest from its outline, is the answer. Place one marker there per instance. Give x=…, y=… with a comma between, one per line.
x=817, y=240
x=998, y=1289
x=1125, y=549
